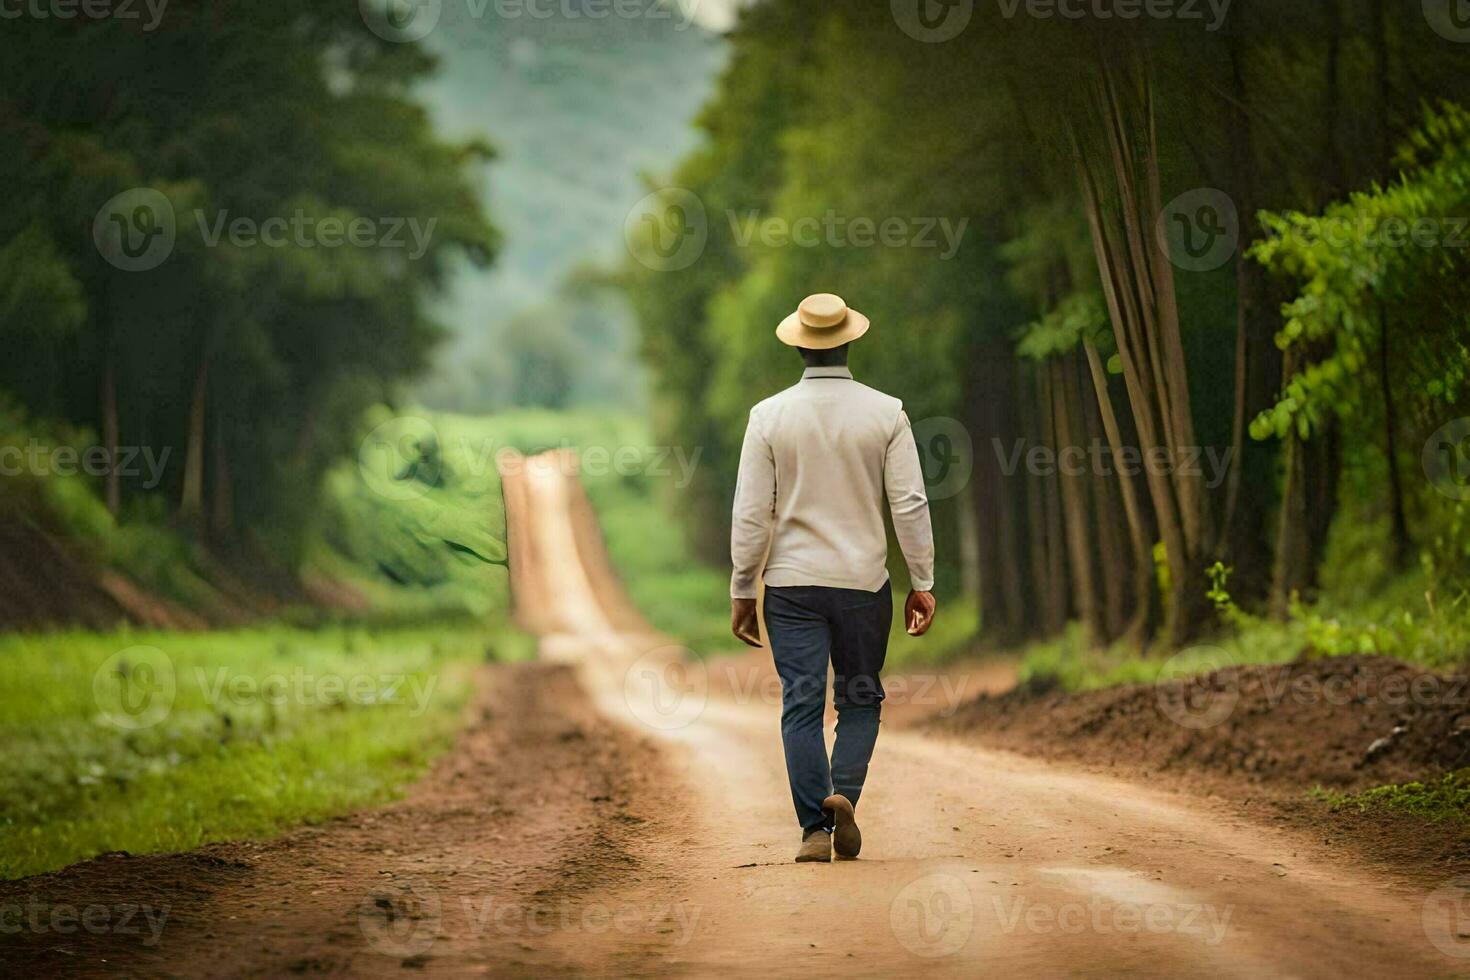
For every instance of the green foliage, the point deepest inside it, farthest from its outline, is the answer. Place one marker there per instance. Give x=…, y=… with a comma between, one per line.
x=1079, y=316
x=269, y=114
x=1404, y=620
x=266, y=728
x=1386, y=249
x=1219, y=595
x=1445, y=798
x=1070, y=663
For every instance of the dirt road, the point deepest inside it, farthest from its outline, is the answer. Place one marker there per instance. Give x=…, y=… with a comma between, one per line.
x=615, y=810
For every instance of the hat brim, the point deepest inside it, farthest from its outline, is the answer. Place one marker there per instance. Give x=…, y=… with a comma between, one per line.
x=793, y=333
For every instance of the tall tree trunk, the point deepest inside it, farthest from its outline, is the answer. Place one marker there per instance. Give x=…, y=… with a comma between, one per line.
x=191, y=501
x=1112, y=551
x=993, y=504
x=1312, y=467
x=1308, y=503
x=113, y=488
x=1243, y=530
x=1056, y=596
x=107, y=401
x=1039, y=585
x=1139, y=288
x=1399, y=540
x=968, y=528
x=1400, y=543
x=1078, y=526
x=1142, y=622
x=222, y=491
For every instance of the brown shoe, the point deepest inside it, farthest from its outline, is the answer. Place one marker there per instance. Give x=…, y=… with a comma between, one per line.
x=847, y=840
x=816, y=845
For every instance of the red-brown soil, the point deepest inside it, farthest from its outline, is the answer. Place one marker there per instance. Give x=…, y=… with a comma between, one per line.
x=1265, y=735
x=614, y=811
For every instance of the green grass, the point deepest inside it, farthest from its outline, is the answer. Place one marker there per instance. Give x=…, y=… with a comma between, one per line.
x=1447, y=798
x=266, y=728
x=1404, y=619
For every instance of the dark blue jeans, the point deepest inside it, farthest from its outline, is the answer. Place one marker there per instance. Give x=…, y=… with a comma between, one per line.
x=810, y=626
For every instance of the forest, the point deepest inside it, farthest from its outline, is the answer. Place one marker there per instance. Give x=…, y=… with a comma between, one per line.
x=1202, y=343
x=373, y=381
x=174, y=285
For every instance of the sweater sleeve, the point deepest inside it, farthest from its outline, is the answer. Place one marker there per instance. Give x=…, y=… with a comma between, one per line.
x=754, y=513
x=903, y=481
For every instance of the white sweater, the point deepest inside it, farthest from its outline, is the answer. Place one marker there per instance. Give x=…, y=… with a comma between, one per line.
x=817, y=462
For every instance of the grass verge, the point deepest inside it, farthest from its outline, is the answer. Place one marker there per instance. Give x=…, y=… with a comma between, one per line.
x=1446, y=798
x=146, y=742
x=1405, y=620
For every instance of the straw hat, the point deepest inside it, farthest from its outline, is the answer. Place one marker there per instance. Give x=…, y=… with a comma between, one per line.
x=822, y=322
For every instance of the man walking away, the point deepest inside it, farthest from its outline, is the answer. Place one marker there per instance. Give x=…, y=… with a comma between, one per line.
x=819, y=460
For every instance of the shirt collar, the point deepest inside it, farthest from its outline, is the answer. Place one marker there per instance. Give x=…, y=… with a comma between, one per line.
x=826, y=372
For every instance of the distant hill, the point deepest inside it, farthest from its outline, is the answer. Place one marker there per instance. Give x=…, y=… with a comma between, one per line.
x=577, y=108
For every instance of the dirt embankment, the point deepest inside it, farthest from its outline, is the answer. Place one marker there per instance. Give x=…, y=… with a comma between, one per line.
x=1339, y=722
x=1263, y=734
x=47, y=582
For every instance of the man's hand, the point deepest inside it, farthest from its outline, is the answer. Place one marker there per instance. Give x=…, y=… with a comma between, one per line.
x=918, y=612
x=743, y=622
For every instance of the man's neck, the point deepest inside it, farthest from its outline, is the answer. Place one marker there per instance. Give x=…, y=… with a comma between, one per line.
x=826, y=371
